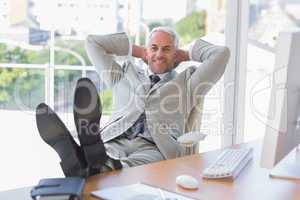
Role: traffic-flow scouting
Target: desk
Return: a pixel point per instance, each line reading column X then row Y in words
column 253, row 182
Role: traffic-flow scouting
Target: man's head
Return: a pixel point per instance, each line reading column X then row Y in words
column 161, row 49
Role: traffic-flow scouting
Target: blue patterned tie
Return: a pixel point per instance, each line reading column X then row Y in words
column 154, row 79
column 139, row 126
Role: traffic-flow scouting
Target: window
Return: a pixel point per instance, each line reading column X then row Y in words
column 22, row 87
column 266, row 20
column 48, row 70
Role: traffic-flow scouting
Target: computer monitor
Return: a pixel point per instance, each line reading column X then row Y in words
column 283, row 125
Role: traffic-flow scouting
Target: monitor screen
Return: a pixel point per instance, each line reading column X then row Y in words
column 282, row 128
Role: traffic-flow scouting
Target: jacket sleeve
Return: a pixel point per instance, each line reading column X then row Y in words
column 213, row 62
column 102, row 50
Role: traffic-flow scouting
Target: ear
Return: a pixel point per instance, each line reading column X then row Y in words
column 176, row 58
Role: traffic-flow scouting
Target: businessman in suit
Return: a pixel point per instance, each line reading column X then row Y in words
column 151, row 107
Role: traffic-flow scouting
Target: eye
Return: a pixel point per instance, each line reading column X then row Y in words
column 153, row 48
column 167, row 49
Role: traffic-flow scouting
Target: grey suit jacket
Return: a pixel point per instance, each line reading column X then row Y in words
column 170, row 105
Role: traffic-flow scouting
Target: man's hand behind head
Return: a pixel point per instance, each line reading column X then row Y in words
column 139, row 52
column 180, row 56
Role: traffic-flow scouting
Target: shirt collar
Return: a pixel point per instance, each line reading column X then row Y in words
column 161, row 76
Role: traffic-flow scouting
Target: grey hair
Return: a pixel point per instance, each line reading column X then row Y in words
column 165, row 29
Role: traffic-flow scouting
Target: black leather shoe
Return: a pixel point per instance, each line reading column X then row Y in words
column 87, row 113
column 54, row 133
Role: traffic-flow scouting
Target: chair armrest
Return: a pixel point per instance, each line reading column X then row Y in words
column 191, row 138
column 189, row 141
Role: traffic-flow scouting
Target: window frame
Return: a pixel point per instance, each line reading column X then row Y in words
column 236, row 33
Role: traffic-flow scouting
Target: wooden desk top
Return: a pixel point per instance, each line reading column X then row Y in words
column 253, row 182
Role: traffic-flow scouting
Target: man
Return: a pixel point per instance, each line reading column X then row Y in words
column 151, row 108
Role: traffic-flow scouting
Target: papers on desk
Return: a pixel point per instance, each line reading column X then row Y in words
column 137, row 191
column 58, row 197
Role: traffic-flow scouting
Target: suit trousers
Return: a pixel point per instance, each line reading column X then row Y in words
column 131, row 152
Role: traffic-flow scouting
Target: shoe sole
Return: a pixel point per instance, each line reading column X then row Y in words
column 87, row 111
column 54, row 133
column 87, row 106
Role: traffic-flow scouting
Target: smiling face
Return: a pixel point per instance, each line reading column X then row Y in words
column 161, row 52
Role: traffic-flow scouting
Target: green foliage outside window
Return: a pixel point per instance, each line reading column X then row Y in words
column 21, row 88
column 191, row 27
column 26, row 86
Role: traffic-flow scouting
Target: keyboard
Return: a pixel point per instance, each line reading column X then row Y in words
column 229, row 163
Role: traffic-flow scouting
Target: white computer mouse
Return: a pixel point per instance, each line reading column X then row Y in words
column 187, row 181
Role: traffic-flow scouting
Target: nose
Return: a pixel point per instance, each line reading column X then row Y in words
column 159, row 53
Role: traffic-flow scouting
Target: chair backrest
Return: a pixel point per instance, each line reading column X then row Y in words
column 194, row 123
column 195, row 118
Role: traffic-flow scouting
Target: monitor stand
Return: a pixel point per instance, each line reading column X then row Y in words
column 289, row 167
